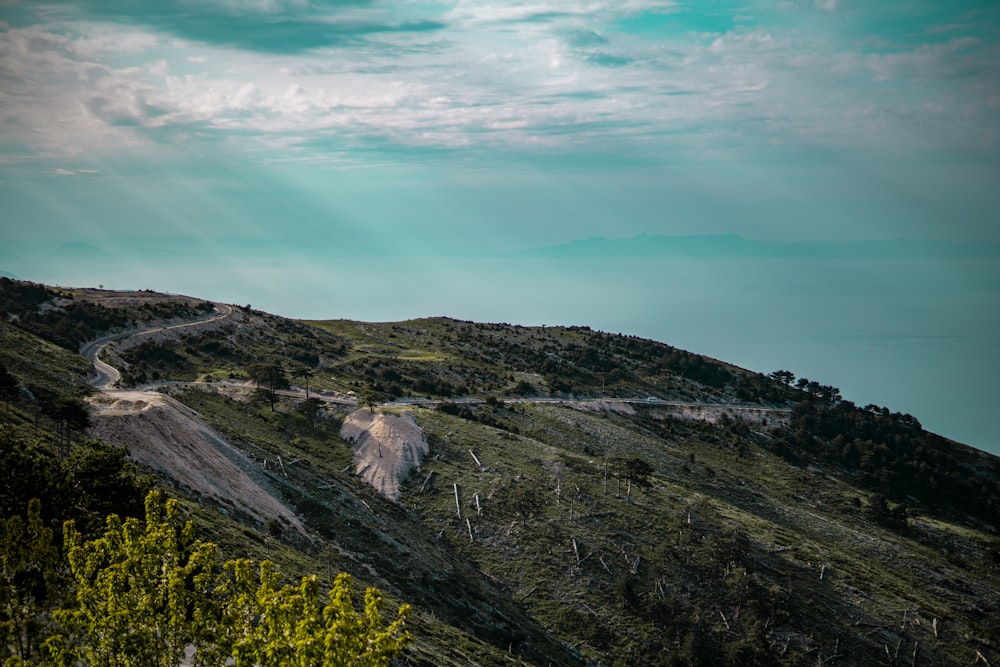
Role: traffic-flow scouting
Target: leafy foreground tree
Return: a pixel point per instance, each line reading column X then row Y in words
column 148, row 594
column 29, row 573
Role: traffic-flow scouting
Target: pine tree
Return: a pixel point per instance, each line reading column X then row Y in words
column 29, row 577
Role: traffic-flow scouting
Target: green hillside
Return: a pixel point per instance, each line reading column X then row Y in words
column 587, row 498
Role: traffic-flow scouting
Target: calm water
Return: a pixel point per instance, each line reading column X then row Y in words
column 918, row 336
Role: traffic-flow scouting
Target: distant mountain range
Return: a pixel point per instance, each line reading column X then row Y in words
column 731, row 246
column 181, row 250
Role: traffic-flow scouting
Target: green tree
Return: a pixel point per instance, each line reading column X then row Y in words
column 71, row 414
column 135, row 586
column 784, row 377
column 632, row 470
column 273, row 375
column 294, row 628
column 257, row 373
column 26, row 472
column 370, row 398
column 8, row 388
column 147, row 592
column 888, row 517
column 101, row 480
column 311, row 409
column 29, row 577
column 305, row 373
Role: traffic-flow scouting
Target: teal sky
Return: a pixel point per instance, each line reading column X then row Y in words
column 242, row 149
column 508, row 124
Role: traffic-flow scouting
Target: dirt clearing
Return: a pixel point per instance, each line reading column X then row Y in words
column 171, row 439
column 597, row 405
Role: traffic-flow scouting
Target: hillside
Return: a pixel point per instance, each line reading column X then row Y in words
column 540, row 495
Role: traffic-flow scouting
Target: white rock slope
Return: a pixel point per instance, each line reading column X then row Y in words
column 386, row 448
column 170, row 438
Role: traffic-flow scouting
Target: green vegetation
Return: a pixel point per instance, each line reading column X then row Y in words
column 95, row 480
column 443, row 358
column 252, row 346
column 889, row 453
column 728, row 556
column 42, row 371
column 69, row 318
column 146, row 592
column 798, row 529
column 371, row 537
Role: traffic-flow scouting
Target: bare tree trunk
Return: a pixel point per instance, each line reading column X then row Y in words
column 424, row 485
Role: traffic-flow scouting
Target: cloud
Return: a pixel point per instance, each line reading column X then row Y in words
column 267, row 26
column 523, row 77
column 103, row 41
column 957, row 59
column 586, row 38
column 572, row 15
column 72, row 172
column 607, row 59
column 472, row 13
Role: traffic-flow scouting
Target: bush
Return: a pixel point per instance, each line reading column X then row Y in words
column 146, row 591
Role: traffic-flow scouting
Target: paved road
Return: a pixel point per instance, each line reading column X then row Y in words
column 107, row 376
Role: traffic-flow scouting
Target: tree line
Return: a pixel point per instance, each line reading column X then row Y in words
column 891, row 455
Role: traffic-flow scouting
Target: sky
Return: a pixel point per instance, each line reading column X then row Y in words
column 449, row 130
column 510, row 124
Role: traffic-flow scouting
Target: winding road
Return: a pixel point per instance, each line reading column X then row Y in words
column 107, row 376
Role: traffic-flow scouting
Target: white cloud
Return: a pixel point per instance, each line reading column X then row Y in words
column 508, row 75
column 956, row 58
column 107, row 40
column 72, row 172
column 480, row 11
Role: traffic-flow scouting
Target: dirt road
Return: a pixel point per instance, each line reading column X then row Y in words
column 107, row 376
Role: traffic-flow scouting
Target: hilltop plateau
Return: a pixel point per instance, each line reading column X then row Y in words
column 539, row 495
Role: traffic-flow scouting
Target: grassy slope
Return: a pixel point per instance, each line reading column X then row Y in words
column 39, row 363
column 795, row 542
column 730, row 548
column 823, row 575
column 722, row 511
column 378, row 542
